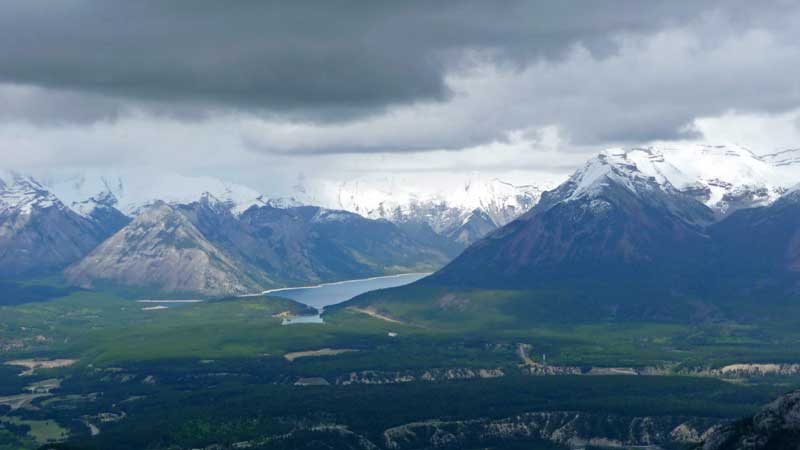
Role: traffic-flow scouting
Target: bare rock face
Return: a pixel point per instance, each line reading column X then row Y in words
column 776, row 427
column 164, row 250
column 203, row 248
column 567, row 428
column 473, row 227
column 430, row 375
column 311, row 244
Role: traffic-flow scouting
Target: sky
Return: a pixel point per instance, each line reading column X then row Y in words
column 275, row 95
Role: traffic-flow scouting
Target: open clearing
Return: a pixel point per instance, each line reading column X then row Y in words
column 18, row 401
column 321, row 352
column 373, row 313
column 43, row 431
column 33, row 364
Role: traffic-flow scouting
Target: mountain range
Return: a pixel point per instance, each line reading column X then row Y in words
column 448, row 219
column 208, row 247
column 202, row 247
column 647, row 233
column 682, row 222
column 459, row 216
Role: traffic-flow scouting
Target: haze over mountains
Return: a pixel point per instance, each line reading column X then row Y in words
column 651, row 215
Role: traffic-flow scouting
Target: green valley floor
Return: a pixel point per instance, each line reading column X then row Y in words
column 81, row 369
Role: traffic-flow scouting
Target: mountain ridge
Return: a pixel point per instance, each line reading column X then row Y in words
column 491, row 203
column 206, row 249
column 39, row 233
column 629, row 237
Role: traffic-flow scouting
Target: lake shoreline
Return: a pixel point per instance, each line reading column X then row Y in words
column 336, row 283
column 320, row 297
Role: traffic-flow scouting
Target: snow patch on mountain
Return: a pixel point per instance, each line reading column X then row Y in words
column 327, row 215
column 281, row 202
column 88, row 207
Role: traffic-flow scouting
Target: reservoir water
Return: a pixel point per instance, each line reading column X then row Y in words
column 332, row 293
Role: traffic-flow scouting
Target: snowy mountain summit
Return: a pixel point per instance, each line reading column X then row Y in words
column 463, row 214
column 650, row 219
column 22, row 194
column 724, row 178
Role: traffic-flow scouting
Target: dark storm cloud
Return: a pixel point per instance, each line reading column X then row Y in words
column 322, row 60
column 96, row 79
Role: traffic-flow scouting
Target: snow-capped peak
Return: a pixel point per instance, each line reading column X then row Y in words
column 330, row 215
column 443, row 210
column 636, row 170
column 723, row 177
column 22, row 194
column 87, row 207
column 283, row 202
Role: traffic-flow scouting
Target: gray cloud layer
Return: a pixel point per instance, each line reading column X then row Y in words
column 328, row 60
column 337, row 76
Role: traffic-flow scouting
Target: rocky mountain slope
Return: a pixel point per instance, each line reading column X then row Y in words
column 204, row 248
column 545, row 429
column 760, row 247
column 607, row 218
column 310, row 243
column 163, row 249
column 572, row 430
column 39, row 234
column 102, row 210
column 775, row 427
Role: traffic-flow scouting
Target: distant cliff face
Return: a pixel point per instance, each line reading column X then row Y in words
column 776, row 427
column 164, row 250
column 566, row 429
column 203, row 248
column 570, row 429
